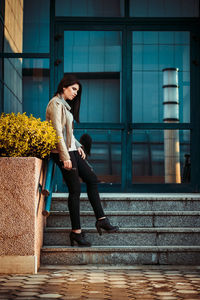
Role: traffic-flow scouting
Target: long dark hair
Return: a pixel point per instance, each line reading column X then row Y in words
column 75, row 104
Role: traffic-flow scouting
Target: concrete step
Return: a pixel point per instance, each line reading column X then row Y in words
column 134, row 202
column 130, row 255
column 128, row 236
column 130, row 219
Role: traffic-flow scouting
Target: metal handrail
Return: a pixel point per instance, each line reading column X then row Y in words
column 48, row 188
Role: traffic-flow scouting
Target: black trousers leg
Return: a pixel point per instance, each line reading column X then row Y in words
column 71, row 178
column 73, row 183
column 89, row 177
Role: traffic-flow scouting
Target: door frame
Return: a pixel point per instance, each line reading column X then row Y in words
column 126, row 26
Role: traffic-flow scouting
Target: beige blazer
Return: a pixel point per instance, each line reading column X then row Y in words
column 58, row 111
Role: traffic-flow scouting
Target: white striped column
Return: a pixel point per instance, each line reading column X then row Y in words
column 171, row 115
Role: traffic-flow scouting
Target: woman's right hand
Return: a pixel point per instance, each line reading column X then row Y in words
column 67, row 164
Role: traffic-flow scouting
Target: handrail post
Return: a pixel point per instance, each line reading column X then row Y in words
column 48, row 189
column 49, row 173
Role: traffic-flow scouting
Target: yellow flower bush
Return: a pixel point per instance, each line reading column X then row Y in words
column 24, row 136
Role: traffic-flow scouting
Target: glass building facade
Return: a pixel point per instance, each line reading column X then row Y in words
column 120, row 50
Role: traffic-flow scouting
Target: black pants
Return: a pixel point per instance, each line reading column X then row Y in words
column 71, row 178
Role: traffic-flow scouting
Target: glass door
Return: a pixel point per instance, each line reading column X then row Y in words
column 95, row 57
column 135, row 106
column 160, row 107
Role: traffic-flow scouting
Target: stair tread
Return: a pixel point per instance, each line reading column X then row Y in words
column 135, row 196
column 133, row 229
column 119, row 248
column 130, row 213
column 182, row 210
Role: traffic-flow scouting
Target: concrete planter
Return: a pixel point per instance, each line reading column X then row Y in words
column 21, row 219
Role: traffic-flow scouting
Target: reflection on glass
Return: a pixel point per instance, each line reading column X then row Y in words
column 105, row 154
column 153, row 52
column 35, row 86
column 12, row 85
column 105, row 158
column 163, row 8
column 26, row 86
column 95, row 57
column 90, row 8
column 36, row 25
column 26, row 26
column 172, row 156
column 161, row 156
column 13, row 27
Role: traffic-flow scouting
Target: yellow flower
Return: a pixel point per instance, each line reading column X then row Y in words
column 24, row 136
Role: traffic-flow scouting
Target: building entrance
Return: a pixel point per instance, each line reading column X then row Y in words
column 135, row 102
column 139, row 66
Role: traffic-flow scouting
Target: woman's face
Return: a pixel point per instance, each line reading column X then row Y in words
column 70, row 92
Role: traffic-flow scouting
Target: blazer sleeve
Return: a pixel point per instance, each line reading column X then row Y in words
column 54, row 112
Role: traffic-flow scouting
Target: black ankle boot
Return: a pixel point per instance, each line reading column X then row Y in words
column 79, row 238
column 105, row 224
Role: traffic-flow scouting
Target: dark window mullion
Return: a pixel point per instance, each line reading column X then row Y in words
column 51, row 47
column 124, row 109
column 137, row 23
column 129, row 87
column 195, row 107
column 114, row 126
column 126, row 8
column 160, row 126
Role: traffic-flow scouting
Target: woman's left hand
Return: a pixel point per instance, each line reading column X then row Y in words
column 81, row 152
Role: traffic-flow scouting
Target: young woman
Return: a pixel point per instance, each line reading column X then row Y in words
column 62, row 110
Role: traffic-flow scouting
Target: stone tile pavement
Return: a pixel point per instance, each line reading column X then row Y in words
column 104, row 282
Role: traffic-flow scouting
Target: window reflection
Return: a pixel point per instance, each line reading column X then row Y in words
column 36, row 26
column 105, row 154
column 95, row 57
column 163, row 8
column 35, row 86
column 153, row 52
column 12, row 85
column 13, row 27
column 161, row 156
column 26, row 26
column 90, row 8
column 26, row 86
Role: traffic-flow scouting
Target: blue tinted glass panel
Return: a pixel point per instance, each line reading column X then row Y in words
column 25, row 86
column 95, row 57
column 36, row 25
column 163, row 8
column 92, row 51
column 153, row 52
column 12, row 85
column 35, row 86
column 161, row 156
column 90, row 8
column 100, row 97
column 150, row 37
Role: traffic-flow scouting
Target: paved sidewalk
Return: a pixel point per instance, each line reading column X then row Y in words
column 104, row 282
